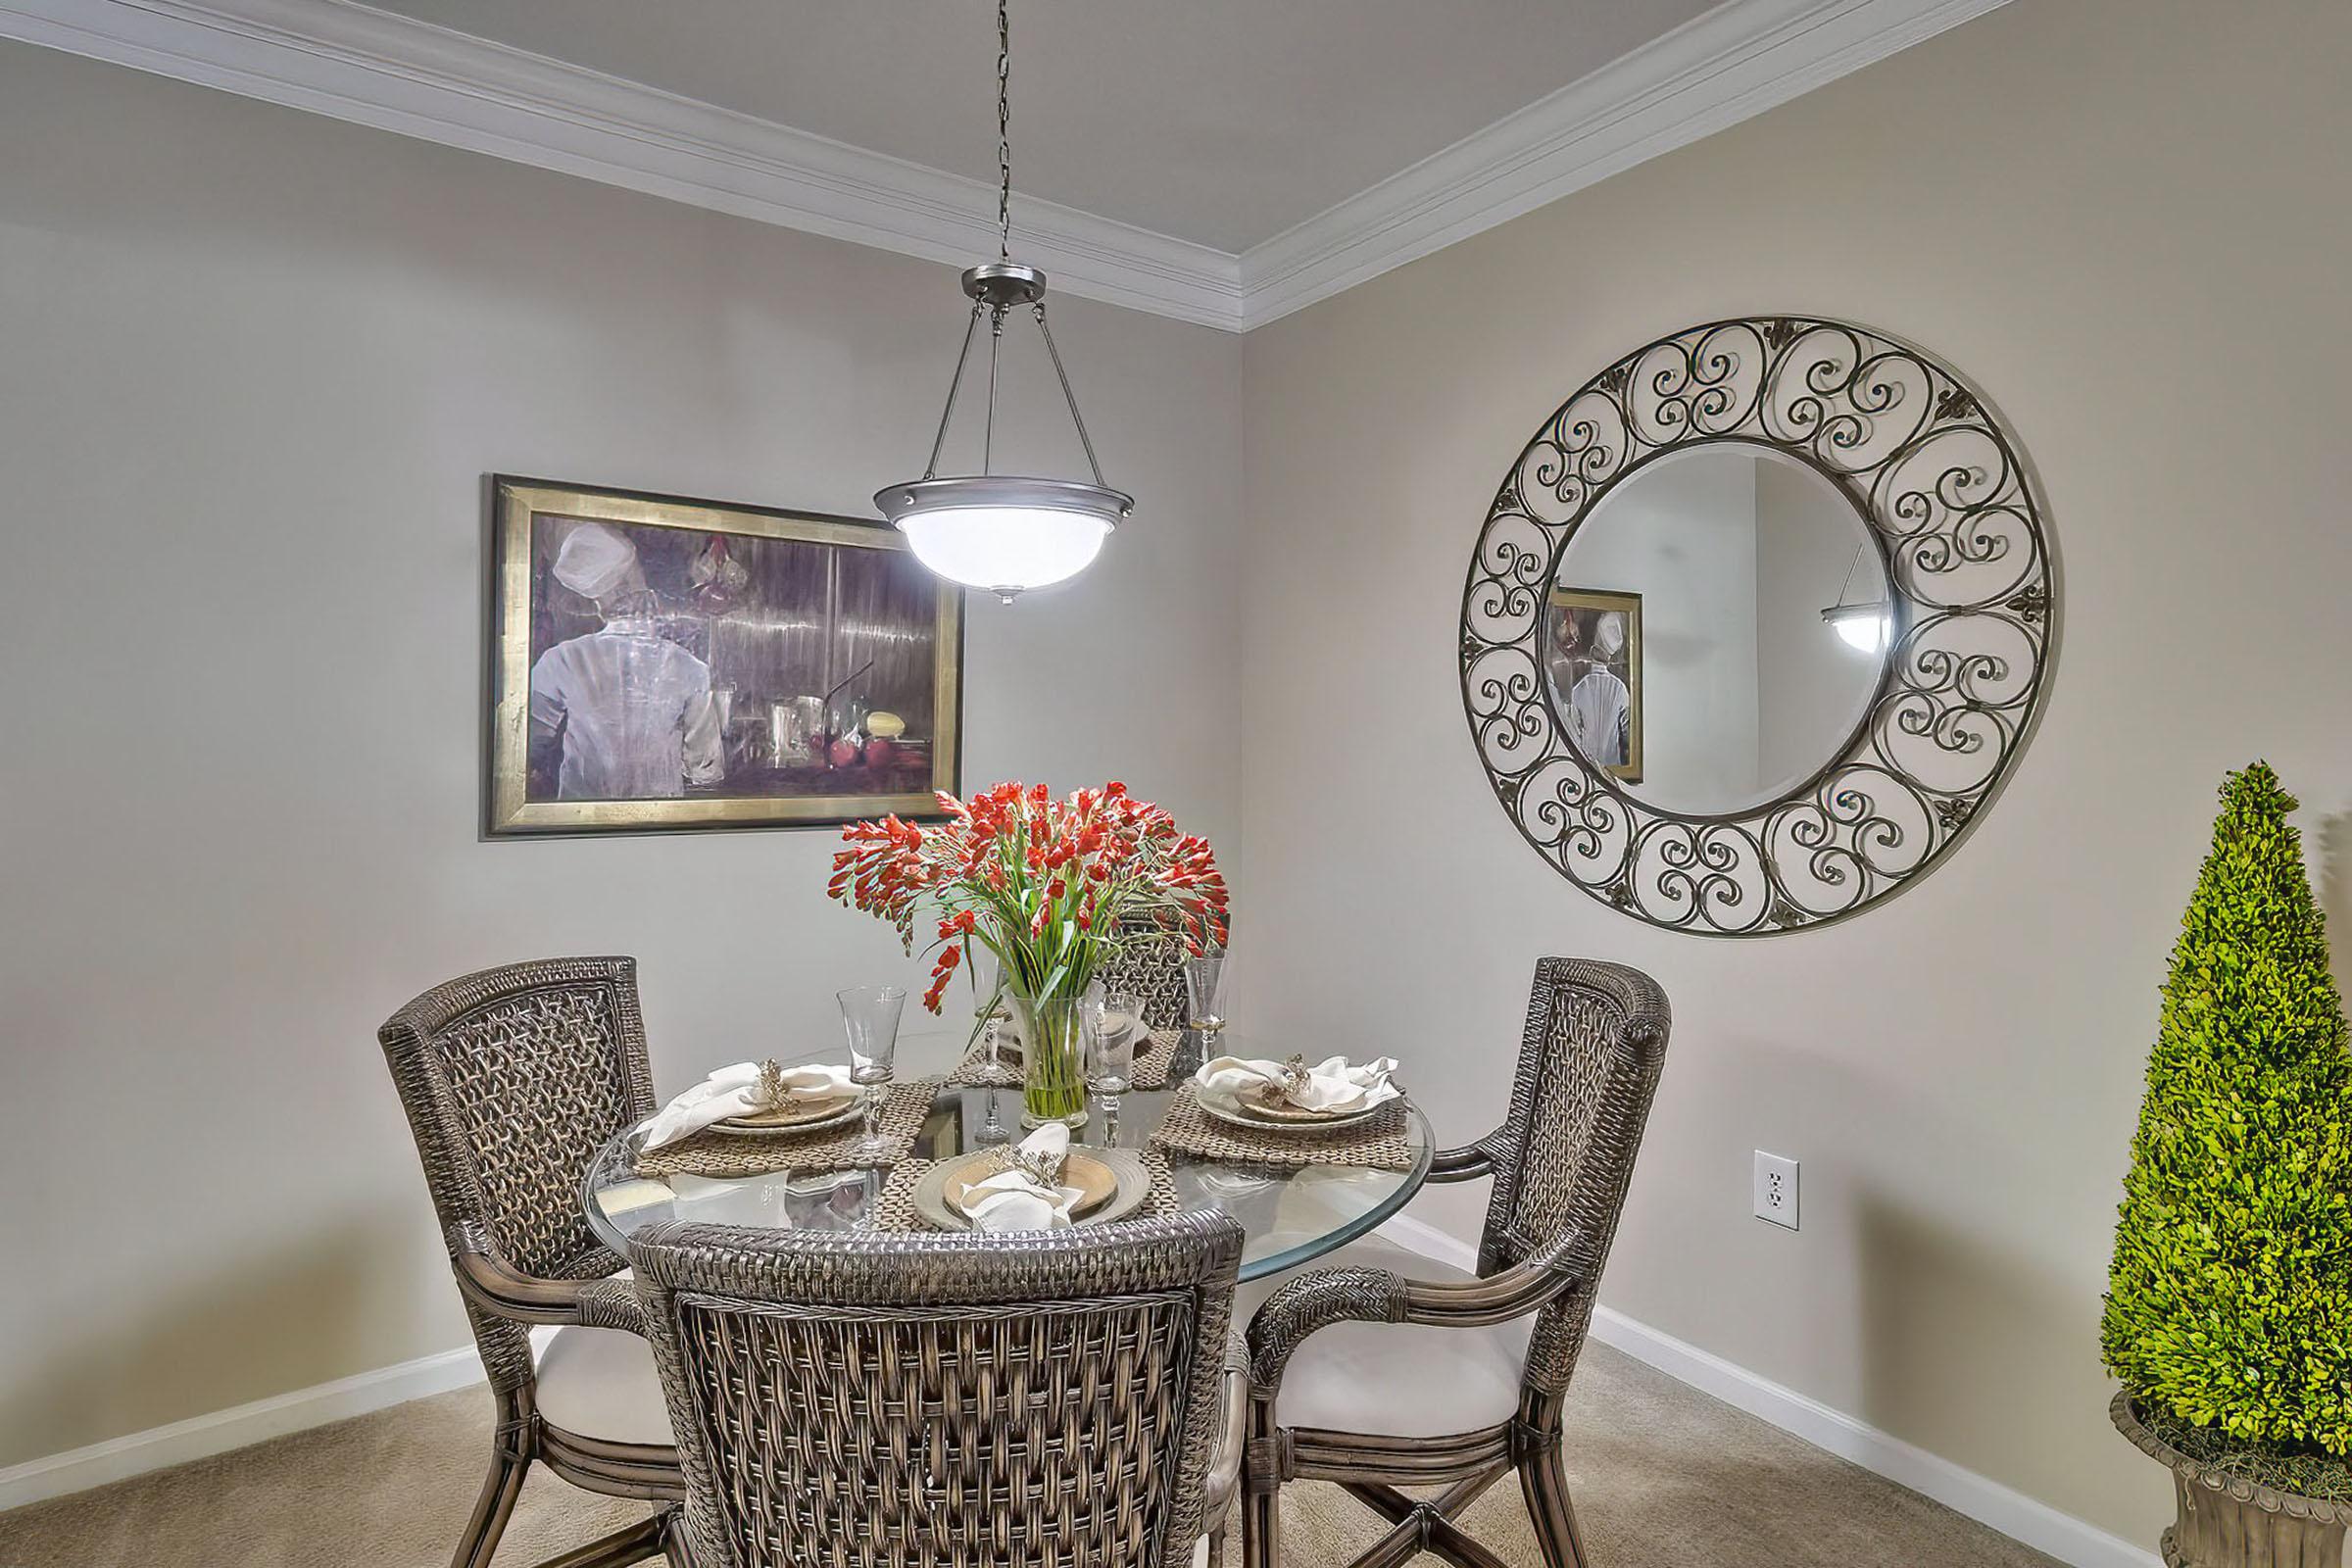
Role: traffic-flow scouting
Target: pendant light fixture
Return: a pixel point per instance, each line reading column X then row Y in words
column 1000, row 531
column 1862, row 624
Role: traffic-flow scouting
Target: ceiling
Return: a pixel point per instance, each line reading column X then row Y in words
column 1224, row 162
column 1221, row 121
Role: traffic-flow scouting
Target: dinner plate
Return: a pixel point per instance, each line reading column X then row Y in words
column 793, row 1120
column 1126, row 1166
column 1235, row 1112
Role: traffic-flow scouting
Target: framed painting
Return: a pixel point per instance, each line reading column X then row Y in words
column 659, row 663
column 1592, row 667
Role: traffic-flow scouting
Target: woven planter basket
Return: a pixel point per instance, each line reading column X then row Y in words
column 2227, row 1521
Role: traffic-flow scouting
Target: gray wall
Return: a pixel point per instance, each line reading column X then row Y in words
column 253, row 367
column 2122, row 218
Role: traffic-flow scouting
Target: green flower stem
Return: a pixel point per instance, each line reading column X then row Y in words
column 1054, row 1073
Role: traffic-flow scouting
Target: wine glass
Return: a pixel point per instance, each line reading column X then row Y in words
column 987, row 1012
column 1203, row 987
column 1110, row 1054
column 870, row 1016
column 990, row 1009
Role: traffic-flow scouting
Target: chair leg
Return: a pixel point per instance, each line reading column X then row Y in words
column 499, row 1488
column 1261, row 1491
column 674, row 1541
column 1544, row 1478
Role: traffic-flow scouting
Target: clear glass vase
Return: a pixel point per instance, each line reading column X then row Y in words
column 1053, row 1059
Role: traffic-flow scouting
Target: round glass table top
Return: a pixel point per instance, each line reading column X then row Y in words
column 1289, row 1216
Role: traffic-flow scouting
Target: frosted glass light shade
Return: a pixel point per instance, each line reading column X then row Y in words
column 1003, row 533
column 1005, row 548
column 1863, row 626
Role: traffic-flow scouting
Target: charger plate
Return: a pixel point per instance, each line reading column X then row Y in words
column 1125, row 1166
column 790, row 1121
column 1096, row 1183
column 1236, row 1111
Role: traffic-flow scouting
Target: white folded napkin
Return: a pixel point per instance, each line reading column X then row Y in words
column 1013, row 1200
column 1331, row 1085
column 736, row 1092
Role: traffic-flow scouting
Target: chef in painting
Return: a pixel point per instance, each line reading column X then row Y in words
column 1591, row 697
column 632, row 709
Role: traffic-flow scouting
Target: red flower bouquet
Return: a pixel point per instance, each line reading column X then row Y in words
column 1051, row 887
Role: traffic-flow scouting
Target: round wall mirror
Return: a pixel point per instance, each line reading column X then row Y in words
column 1759, row 621
column 1716, row 629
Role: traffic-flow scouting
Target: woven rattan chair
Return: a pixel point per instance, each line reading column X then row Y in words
column 1045, row 1400
column 512, row 1079
column 1150, row 969
column 1383, row 1369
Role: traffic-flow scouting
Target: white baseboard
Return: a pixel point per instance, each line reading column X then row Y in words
column 1988, row 1503
column 199, row 1437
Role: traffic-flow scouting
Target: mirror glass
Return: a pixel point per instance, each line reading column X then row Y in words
column 1717, row 628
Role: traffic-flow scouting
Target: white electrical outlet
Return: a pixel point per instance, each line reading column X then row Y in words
column 1776, row 1189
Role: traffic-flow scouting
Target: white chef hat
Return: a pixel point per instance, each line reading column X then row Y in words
column 594, row 560
column 1608, row 634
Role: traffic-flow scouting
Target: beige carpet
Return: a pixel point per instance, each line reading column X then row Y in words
column 1662, row 1475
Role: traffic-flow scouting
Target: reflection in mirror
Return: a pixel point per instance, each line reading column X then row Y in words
column 1716, row 628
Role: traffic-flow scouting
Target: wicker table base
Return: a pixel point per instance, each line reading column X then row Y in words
column 716, row 1154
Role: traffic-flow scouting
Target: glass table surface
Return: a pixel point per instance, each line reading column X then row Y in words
column 1289, row 1216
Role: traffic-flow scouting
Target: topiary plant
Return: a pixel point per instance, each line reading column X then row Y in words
column 2229, row 1299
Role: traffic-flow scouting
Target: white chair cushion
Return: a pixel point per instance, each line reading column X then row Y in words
column 1405, row 1380
column 600, row 1383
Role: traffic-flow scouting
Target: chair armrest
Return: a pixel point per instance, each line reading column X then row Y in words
column 1468, row 1163
column 1320, row 1298
column 1225, row 1458
column 508, row 1293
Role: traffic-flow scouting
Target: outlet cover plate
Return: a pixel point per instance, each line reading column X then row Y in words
column 1776, row 1189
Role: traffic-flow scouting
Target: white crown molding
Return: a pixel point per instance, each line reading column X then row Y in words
column 396, row 73
column 2036, row 1524
column 337, row 58
column 1723, row 67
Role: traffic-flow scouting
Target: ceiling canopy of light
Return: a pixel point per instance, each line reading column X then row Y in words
column 1000, row 531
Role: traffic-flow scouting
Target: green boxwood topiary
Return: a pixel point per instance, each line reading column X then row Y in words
column 2229, row 1299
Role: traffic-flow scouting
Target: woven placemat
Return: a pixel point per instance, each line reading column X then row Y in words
column 711, row 1152
column 894, row 1210
column 1378, row 1144
column 973, row 1071
column 1152, row 1059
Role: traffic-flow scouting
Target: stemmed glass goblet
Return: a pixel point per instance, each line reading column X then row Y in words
column 869, row 1017
column 1117, row 1022
column 1203, row 987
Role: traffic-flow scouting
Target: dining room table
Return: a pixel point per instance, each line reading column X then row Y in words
column 1291, row 1212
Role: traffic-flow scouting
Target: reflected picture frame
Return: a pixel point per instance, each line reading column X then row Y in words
column 517, row 800
column 1578, row 608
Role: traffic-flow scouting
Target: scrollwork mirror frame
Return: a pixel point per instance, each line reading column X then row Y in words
column 1946, row 496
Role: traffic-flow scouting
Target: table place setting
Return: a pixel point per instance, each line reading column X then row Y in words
column 750, row 1120
column 758, row 1100
column 1042, row 1182
column 1288, row 1113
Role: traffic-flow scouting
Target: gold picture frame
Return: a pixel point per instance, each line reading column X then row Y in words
column 1571, row 652
column 734, row 618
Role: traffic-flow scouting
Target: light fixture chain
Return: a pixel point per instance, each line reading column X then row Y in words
column 1003, row 132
